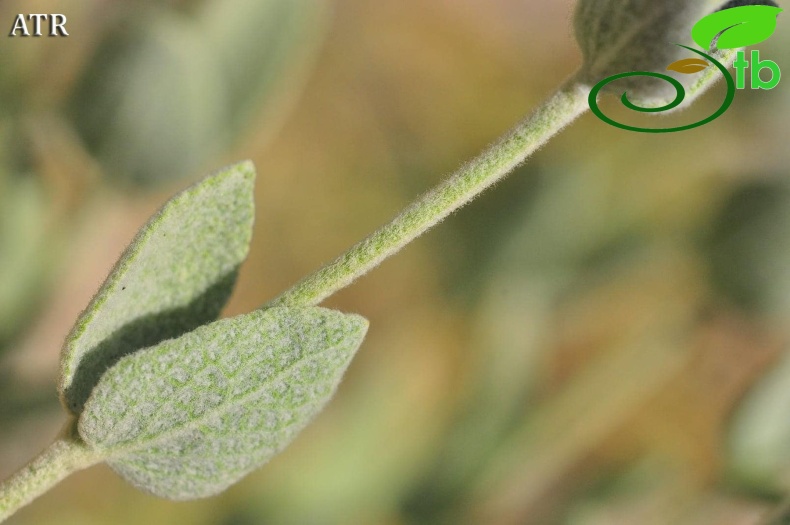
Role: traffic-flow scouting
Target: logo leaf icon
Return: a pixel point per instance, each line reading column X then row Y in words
column 736, row 27
column 688, row 66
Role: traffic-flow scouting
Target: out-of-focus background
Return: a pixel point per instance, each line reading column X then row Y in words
column 600, row 339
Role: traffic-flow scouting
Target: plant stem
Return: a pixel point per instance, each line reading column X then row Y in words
column 493, row 164
column 67, row 454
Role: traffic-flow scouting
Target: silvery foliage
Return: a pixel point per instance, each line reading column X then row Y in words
column 177, row 403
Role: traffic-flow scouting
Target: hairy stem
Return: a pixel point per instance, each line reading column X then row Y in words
column 67, row 454
column 493, row 164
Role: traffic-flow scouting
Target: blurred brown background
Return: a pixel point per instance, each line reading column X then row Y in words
column 600, row 339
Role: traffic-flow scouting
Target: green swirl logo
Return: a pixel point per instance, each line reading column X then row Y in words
column 728, row 29
column 679, row 98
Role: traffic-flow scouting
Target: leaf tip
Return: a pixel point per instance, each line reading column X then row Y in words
column 361, row 324
column 243, row 170
column 246, row 167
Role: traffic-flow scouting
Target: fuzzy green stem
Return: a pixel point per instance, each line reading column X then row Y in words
column 493, row 164
column 67, row 454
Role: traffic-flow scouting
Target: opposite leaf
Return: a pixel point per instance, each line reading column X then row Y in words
column 176, row 275
column 191, row 416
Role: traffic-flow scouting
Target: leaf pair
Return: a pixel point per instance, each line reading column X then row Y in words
column 179, row 405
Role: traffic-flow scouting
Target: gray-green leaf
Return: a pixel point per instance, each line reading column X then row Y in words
column 176, row 275
column 191, row 416
column 150, row 106
column 169, row 89
column 263, row 51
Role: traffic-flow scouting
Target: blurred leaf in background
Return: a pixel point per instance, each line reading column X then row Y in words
column 24, row 251
column 749, row 246
column 169, row 91
column 759, row 441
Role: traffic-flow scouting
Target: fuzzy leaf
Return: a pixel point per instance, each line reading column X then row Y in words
column 191, row 416
column 176, row 275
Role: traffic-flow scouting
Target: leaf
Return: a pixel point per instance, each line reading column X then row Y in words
column 688, row 66
column 191, row 416
column 263, row 49
column 747, row 247
column 758, row 444
column 736, row 27
column 151, row 105
column 176, row 275
column 26, row 249
column 169, row 90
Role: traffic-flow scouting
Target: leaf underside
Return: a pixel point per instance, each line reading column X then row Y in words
column 176, row 275
column 191, row 416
